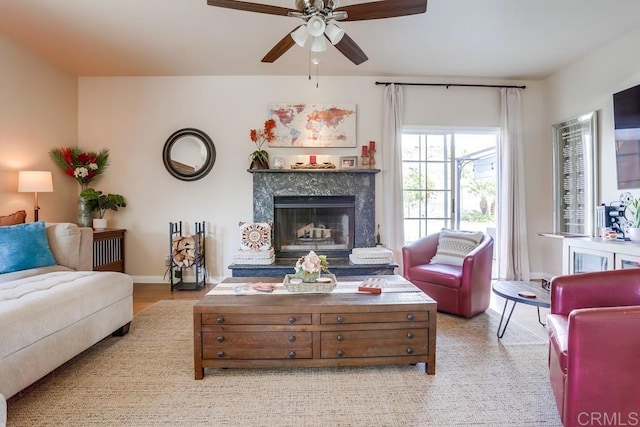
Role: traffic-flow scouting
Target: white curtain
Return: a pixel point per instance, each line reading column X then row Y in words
column 392, row 229
column 513, row 255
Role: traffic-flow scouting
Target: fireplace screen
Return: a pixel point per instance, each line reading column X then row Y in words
column 318, row 223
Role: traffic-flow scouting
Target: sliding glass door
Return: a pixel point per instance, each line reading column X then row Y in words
column 449, row 180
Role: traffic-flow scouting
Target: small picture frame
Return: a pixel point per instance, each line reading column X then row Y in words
column 348, row 162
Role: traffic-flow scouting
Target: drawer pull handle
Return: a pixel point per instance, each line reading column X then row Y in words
column 220, row 320
column 340, row 319
column 409, row 335
column 292, row 339
column 221, row 354
column 410, row 317
column 340, row 353
column 292, row 354
column 340, row 338
column 409, row 350
column 220, row 338
column 292, row 320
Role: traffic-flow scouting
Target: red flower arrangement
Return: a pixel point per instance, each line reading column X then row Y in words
column 259, row 138
column 265, row 135
column 82, row 166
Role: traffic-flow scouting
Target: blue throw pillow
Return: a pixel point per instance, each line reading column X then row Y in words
column 24, row 246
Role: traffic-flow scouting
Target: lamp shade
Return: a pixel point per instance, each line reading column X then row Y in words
column 35, row 182
column 300, row 35
column 316, row 26
column 334, row 33
column 319, row 44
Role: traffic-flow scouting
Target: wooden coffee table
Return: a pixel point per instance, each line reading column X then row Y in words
column 343, row 328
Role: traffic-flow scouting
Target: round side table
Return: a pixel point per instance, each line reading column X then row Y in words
column 516, row 291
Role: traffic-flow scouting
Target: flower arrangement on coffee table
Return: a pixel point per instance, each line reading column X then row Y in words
column 309, row 267
column 307, row 275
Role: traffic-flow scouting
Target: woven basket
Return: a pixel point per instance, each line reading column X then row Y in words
column 310, row 288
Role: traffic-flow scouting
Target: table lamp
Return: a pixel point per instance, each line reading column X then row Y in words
column 35, row 182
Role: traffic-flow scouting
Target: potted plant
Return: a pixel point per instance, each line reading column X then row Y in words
column 100, row 203
column 634, row 226
column 260, row 158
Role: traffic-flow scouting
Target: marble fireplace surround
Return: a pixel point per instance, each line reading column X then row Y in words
column 360, row 183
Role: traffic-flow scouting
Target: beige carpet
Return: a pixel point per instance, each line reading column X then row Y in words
column 146, row 379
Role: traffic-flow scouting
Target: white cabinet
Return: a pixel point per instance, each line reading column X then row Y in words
column 589, row 254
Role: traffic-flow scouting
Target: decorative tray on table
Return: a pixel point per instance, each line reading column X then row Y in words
column 324, row 284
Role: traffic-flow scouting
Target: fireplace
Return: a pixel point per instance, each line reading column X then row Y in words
column 270, row 185
column 329, row 211
column 319, row 223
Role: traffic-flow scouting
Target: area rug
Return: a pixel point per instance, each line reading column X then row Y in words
column 146, row 379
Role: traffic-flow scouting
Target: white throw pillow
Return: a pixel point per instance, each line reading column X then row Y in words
column 454, row 246
column 255, row 236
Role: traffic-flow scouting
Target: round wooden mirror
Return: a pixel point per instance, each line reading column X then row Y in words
column 189, row 154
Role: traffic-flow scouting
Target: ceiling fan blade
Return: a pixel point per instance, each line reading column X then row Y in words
column 279, row 49
column 384, row 9
column 351, row 50
column 251, row 7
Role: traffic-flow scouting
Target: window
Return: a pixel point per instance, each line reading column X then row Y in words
column 449, row 180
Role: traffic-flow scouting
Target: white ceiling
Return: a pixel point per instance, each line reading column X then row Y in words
column 508, row 39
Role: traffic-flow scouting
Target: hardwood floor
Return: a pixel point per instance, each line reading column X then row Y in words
column 145, row 294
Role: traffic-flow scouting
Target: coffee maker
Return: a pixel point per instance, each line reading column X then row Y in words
column 612, row 217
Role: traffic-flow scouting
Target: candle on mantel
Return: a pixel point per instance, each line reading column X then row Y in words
column 372, row 146
column 312, row 160
column 365, row 150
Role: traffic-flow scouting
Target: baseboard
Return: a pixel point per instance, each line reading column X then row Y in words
column 164, row 280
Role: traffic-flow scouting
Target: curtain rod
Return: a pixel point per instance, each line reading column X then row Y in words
column 447, row 85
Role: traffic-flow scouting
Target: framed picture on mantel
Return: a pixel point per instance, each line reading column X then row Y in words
column 348, row 162
column 313, row 125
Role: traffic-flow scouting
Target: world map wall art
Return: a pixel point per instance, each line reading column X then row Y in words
column 313, row 125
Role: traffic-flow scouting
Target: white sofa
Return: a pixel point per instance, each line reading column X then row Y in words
column 50, row 314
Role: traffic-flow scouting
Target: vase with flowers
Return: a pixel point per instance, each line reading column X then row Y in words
column 309, row 267
column 83, row 166
column 260, row 157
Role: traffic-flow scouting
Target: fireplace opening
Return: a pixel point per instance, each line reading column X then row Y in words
column 325, row 224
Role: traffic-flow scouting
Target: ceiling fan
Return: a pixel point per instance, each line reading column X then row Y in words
column 320, row 16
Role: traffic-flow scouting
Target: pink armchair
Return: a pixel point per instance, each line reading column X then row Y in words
column 465, row 290
column 594, row 346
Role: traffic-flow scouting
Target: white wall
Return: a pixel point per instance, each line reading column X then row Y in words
column 38, row 111
column 585, row 86
column 134, row 117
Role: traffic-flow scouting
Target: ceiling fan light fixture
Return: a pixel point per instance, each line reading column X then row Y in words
column 300, row 35
column 319, row 44
column 316, row 26
column 334, row 33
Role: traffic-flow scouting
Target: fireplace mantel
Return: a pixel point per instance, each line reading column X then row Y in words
column 348, row 171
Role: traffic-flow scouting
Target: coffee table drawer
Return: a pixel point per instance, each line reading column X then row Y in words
column 374, row 343
column 256, row 345
column 384, row 317
column 256, row 319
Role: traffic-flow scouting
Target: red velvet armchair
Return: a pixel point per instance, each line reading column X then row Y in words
column 464, row 291
column 594, row 347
